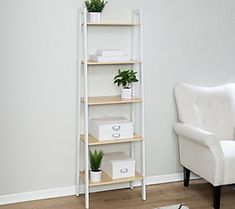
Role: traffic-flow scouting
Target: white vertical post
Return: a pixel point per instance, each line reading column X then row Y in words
column 79, row 25
column 139, row 14
column 132, row 143
column 86, row 109
column 142, row 107
column 133, row 56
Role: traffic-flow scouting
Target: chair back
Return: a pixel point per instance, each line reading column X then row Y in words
column 209, row 108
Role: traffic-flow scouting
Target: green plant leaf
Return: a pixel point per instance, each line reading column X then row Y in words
column 95, row 159
column 95, row 5
column 125, row 77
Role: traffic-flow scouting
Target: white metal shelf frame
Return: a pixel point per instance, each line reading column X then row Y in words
column 83, row 64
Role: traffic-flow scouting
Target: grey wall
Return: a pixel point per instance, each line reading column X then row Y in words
column 185, row 40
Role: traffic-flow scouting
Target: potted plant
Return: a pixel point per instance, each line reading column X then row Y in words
column 95, row 7
column 95, row 162
column 125, row 78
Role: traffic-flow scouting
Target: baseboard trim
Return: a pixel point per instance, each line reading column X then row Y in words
column 70, row 190
column 167, row 178
column 37, row 195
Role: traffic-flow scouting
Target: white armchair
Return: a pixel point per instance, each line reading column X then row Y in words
column 206, row 134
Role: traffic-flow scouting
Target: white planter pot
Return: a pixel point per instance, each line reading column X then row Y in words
column 95, row 176
column 94, row 17
column 126, row 93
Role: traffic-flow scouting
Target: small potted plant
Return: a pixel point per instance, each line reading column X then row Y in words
column 125, row 78
column 95, row 162
column 95, row 7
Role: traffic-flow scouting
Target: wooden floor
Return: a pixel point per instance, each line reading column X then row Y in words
column 197, row 196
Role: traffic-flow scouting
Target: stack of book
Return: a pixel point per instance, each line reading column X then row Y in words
column 109, row 56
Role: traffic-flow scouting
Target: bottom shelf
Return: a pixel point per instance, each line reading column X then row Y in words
column 106, row 179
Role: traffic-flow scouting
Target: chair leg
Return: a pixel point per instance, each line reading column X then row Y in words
column 186, row 177
column 216, row 196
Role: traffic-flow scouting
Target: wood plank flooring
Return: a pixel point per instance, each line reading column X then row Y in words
column 197, row 196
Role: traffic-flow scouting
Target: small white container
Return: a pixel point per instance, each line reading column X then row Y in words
column 118, row 165
column 94, row 17
column 111, row 128
column 95, row 176
column 126, row 93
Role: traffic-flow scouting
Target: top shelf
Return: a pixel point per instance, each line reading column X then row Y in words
column 131, row 62
column 113, row 24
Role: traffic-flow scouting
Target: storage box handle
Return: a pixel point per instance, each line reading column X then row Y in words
column 116, row 128
column 124, row 170
column 116, row 135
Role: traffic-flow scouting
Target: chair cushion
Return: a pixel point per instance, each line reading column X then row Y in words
column 228, row 148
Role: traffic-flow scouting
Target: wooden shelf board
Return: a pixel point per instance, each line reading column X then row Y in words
column 106, row 180
column 92, row 141
column 103, row 100
column 113, row 24
column 129, row 62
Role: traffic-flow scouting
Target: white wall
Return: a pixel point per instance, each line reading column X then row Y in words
column 184, row 40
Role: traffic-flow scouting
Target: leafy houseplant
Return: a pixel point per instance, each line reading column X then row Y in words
column 125, row 79
column 95, row 162
column 95, row 7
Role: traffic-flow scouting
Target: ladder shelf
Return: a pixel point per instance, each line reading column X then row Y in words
column 136, row 104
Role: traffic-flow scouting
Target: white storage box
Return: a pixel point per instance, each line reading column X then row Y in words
column 98, row 58
column 118, row 165
column 111, row 128
column 110, row 53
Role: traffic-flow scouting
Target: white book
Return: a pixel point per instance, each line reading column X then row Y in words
column 109, row 58
column 110, row 52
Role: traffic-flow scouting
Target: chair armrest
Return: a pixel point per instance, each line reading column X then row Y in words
column 196, row 135
column 211, row 142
